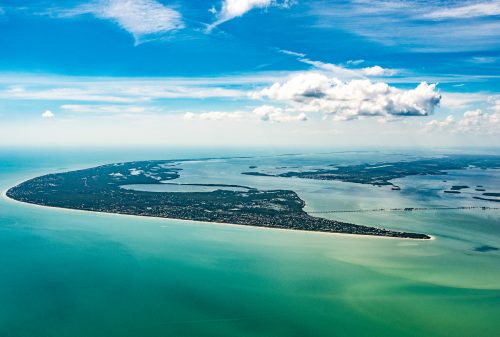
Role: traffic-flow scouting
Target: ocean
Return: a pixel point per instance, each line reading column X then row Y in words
column 76, row 273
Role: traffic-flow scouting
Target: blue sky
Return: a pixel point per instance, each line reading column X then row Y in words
column 250, row 72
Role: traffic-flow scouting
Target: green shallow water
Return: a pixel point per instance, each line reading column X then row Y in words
column 72, row 273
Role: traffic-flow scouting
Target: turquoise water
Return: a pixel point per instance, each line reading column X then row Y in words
column 73, row 273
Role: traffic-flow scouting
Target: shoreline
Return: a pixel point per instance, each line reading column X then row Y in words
column 8, row 199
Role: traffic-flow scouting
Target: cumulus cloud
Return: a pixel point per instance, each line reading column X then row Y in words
column 235, row 8
column 189, row 116
column 477, row 121
column 139, row 17
column 315, row 92
column 435, row 125
column 267, row 113
column 48, row 114
column 378, row 71
column 472, row 121
column 298, row 88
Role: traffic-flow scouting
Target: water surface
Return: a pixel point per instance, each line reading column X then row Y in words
column 75, row 273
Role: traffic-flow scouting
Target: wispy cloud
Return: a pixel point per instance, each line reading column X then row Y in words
column 105, row 109
column 214, row 116
column 264, row 113
column 293, row 53
column 231, row 9
column 416, row 25
column 121, row 90
column 466, row 11
column 63, row 94
column 468, row 100
column 141, row 18
column 484, row 59
column 332, row 69
column 355, row 62
column 341, row 71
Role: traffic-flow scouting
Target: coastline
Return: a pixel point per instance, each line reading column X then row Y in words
column 8, row 199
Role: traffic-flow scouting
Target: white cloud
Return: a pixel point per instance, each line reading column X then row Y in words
column 477, row 121
column 416, row 25
column 293, row 53
column 469, row 100
column 139, row 17
column 267, row 113
column 48, row 114
column 114, row 109
column 472, row 122
column 315, row 92
column 235, row 8
column 116, row 91
column 213, row 116
column 189, row 116
column 332, row 69
column 378, row 71
column 218, row 115
column 489, row 8
column 355, row 62
column 343, row 72
column 484, row 59
column 496, row 106
column 435, row 125
column 72, row 94
column 297, row 88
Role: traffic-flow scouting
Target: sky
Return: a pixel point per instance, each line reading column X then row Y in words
column 250, row 73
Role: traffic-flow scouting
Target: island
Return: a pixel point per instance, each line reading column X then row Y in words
column 380, row 174
column 104, row 189
column 459, row 187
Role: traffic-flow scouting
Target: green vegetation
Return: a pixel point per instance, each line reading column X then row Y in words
column 380, row 174
column 99, row 189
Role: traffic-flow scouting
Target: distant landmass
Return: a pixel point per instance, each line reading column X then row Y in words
column 380, row 174
column 100, row 189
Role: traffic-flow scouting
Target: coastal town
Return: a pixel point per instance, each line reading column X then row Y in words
column 99, row 189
